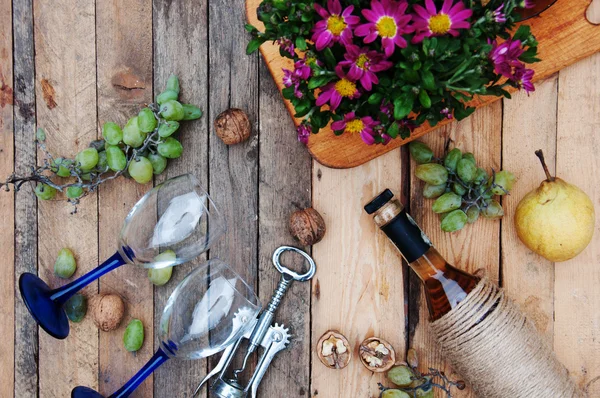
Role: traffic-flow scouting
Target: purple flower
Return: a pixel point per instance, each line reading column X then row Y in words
column 446, row 112
column 364, row 64
column 523, row 78
column 386, row 108
column 336, row 25
column 498, row 15
column 353, row 124
column 388, row 20
column 336, row 91
column 293, row 78
column 287, row 45
column 429, row 22
column 505, row 56
column 303, row 133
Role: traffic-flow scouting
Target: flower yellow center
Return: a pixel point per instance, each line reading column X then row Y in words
column 355, row 126
column 310, row 60
column 439, row 24
column 345, row 87
column 361, row 61
column 336, row 25
column 386, row 27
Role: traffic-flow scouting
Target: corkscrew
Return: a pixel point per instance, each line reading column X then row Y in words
column 273, row 338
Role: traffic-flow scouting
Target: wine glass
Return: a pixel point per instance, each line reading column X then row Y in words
column 209, row 310
column 176, row 216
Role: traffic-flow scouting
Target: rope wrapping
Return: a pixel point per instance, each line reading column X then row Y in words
column 490, row 343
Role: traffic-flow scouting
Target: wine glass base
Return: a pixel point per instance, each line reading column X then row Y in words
column 47, row 313
column 85, row 392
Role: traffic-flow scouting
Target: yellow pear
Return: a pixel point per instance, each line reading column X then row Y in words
column 556, row 220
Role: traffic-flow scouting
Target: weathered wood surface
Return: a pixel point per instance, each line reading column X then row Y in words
column 558, row 29
column 102, row 61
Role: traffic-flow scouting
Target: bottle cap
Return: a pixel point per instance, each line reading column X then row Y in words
column 379, row 201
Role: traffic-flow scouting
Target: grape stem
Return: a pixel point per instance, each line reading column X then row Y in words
column 540, row 154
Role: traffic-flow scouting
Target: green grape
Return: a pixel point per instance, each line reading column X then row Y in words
column 167, row 95
column 40, row 135
column 173, row 83
column 401, row 375
column 466, row 170
column 86, row 176
column 459, row 189
column 447, row 202
column 433, row 191
column 140, row 170
column 172, row 110
column 76, row 308
column 492, row 210
column 472, row 214
column 160, row 276
column 132, row 135
column 168, row 128
column 452, row 158
column 159, row 163
column 65, row 265
column 87, row 159
column 480, row 176
column 170, row 148
column 45, row 192
column 102, row 162
column 112, row 133
column 146, row 120
column 454, row 221
column 394, row 394
column 116, row 158
column 470, row 157
column 443, row 215
column 97, row 145
column 504, row 179
column 432, row 173
column 420, row 152
column 191, row 112
column 133, row 339
column 61, row 167
column 425, row 393
column 74, row 192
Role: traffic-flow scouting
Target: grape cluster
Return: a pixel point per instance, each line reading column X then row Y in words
column 138, row 150
column 462, row 191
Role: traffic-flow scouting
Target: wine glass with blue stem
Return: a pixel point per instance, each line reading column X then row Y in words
column 177, row 216
column 208, row 311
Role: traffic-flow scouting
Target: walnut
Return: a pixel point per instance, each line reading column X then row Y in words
column 377, row 355
column 334, row 350
column 307, row 226
column 233, row 126
column 107, row 311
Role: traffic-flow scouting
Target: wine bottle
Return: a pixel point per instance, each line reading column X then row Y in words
column 445, row 285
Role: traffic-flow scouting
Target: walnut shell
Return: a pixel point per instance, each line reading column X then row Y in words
column 107, row 311
column 233, row 126
column 377, row 355
column 307, row 226
column 333, row 350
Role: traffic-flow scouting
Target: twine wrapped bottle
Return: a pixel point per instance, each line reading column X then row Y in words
column 482, row 333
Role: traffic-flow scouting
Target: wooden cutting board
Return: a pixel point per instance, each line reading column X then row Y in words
column 564, row 34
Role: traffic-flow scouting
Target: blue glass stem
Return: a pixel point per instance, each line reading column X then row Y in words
column 157, row 359
column 64, row 293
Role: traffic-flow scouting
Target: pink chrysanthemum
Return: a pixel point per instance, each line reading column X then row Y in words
column 526, row 4
column 353, row 124
column 505, row 56
column 293, row 78
column 336, row 25
column 523, row 78
column 388, row 20
column 498, row 14
column 303, row 133
column 429, row 22
column 364, row 64
column 333, row 93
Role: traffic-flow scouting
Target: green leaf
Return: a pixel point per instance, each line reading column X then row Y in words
column 393, row 130
column 403, row 106
column 330, row 60
column 522, row 33
column 319, row 81
column 253, row 45
column 428, row 80
column 302, row 108
column 250, row 28
column 424, row 99
column 301, row 43
column 375, row 98
column 288, row 93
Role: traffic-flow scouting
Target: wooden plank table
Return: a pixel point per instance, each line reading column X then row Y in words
column 71, row 65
